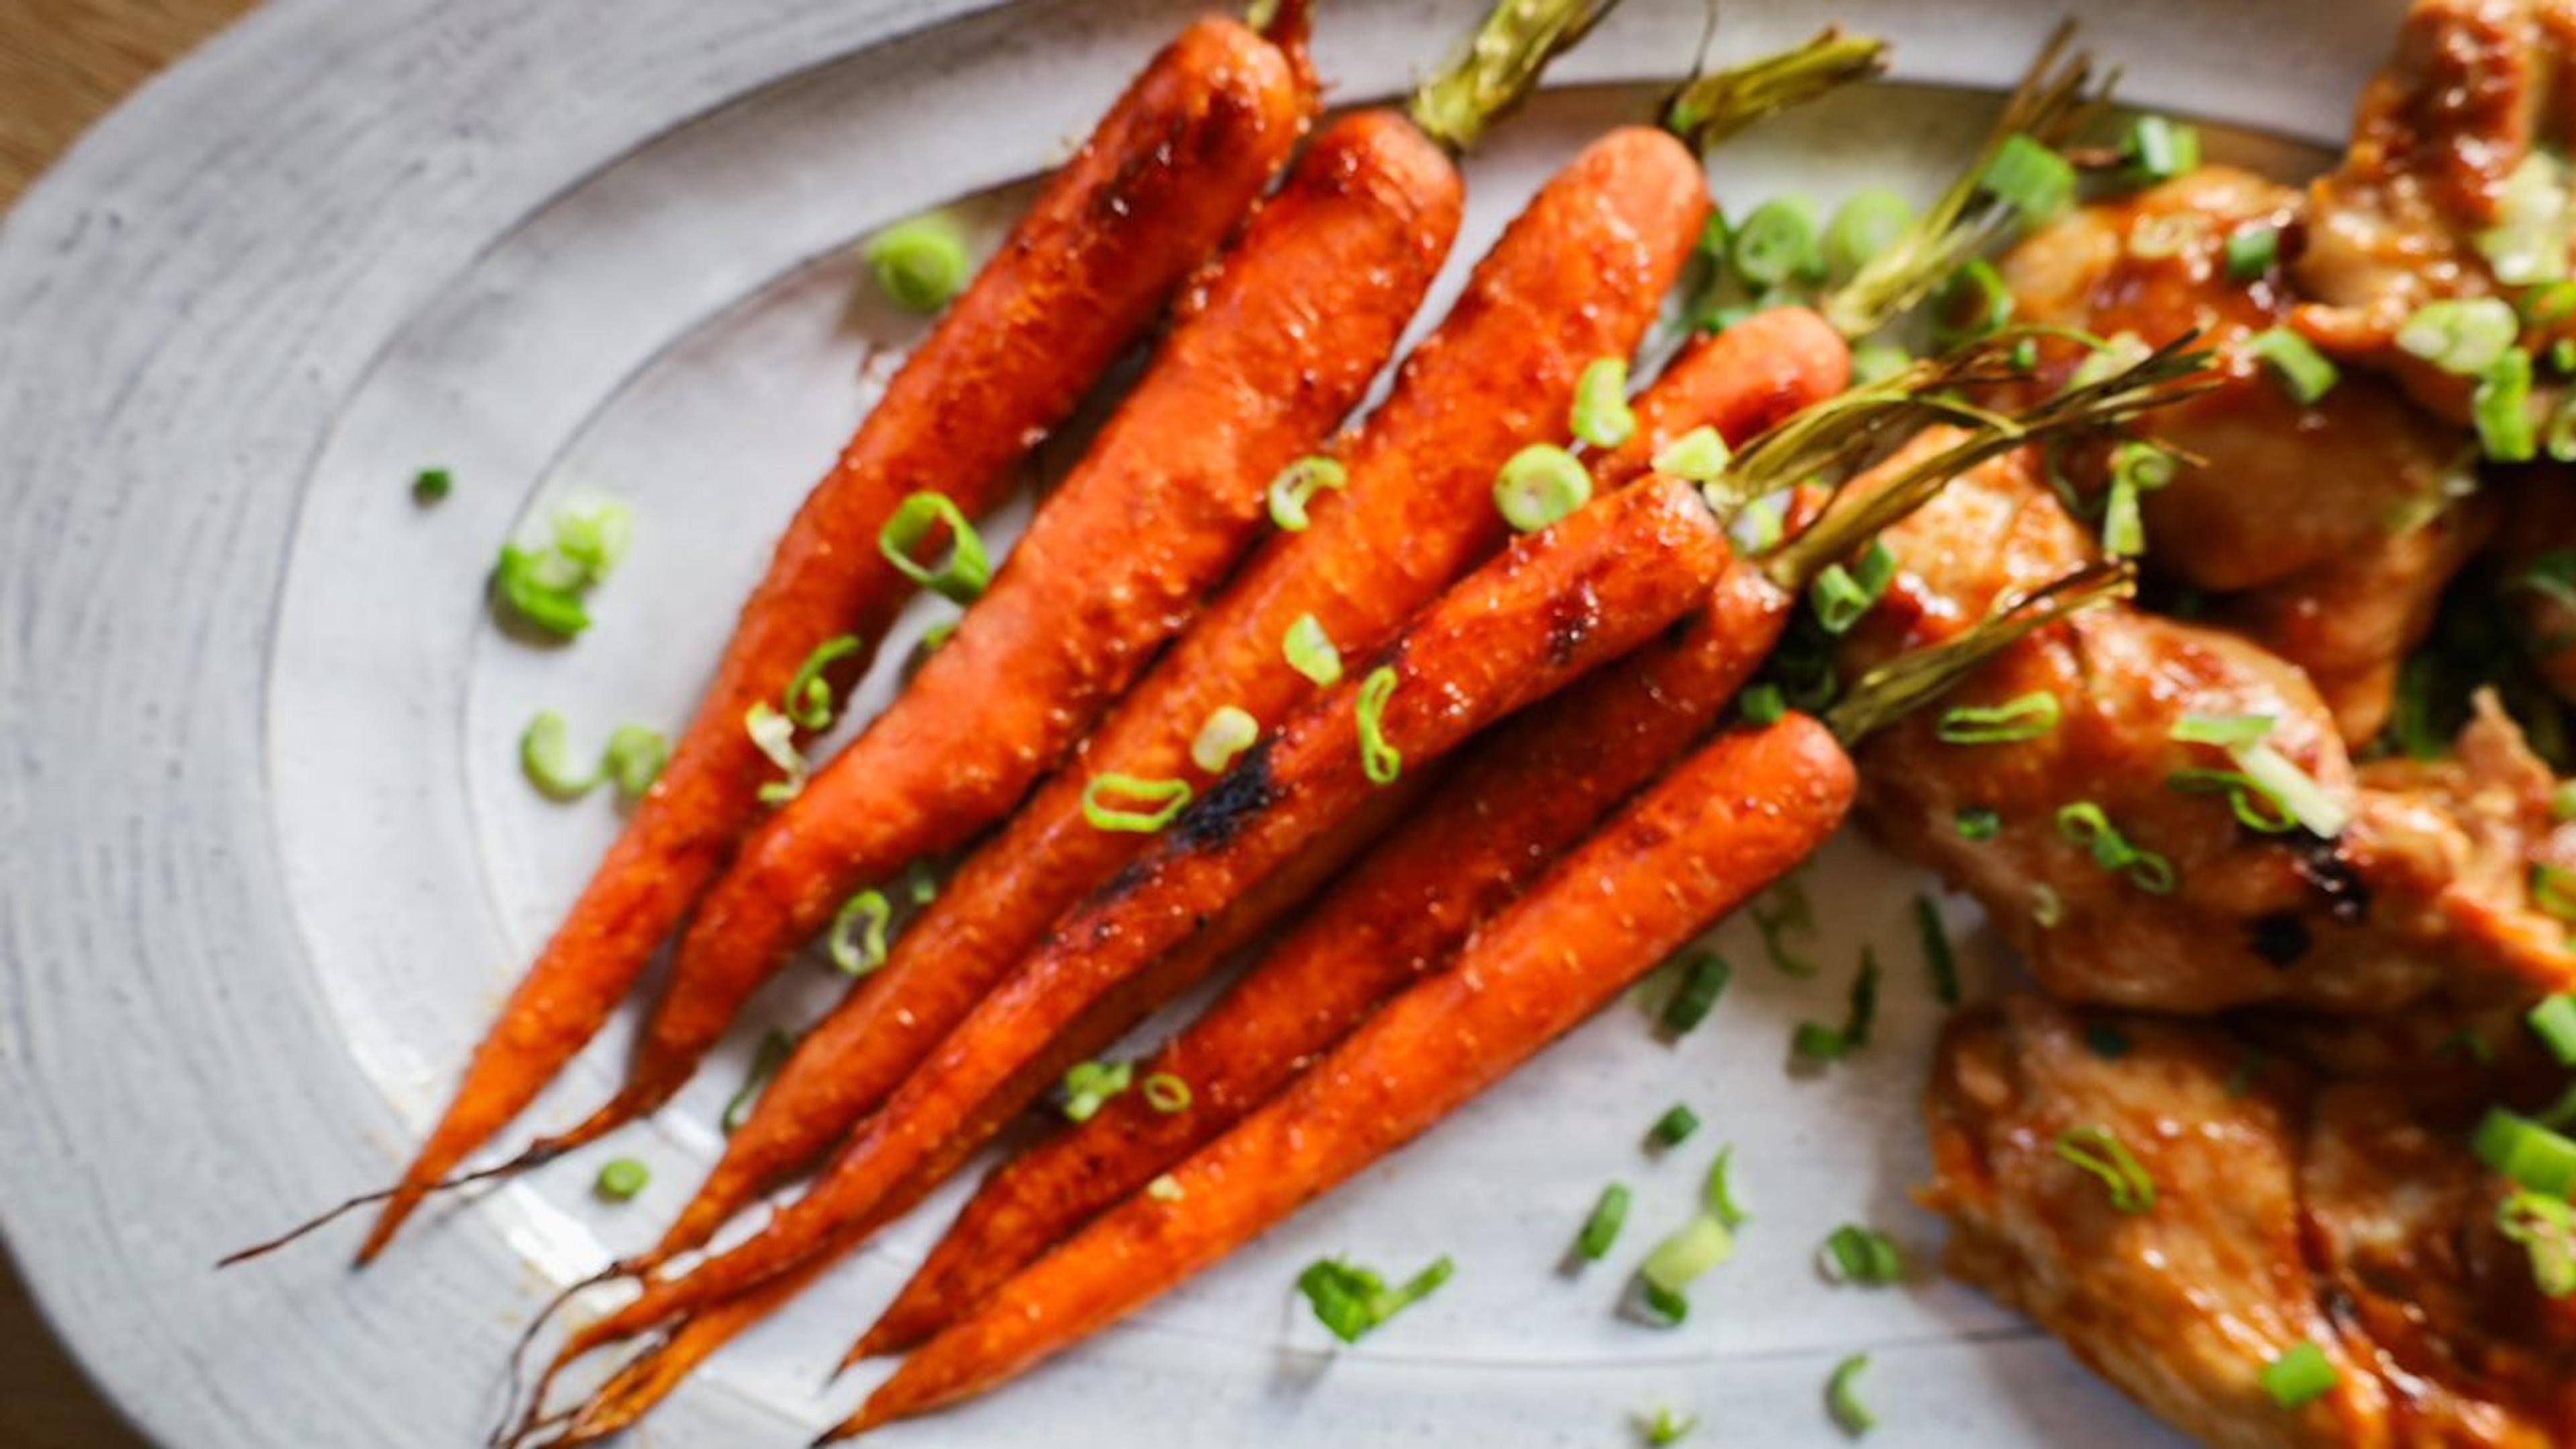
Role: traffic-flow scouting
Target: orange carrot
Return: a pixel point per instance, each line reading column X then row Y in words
column 1477, row 845
column 1277, row 346
column 1589, row 589
column 1578, row 277
column 1168, row 173
column 1723, row 826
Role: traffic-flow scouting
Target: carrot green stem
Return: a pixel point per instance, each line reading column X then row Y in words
column 1910, row 681
column 1500, row 66
column 1710, row 108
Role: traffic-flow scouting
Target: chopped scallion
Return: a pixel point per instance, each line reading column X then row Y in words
column 1688, row 1255
column 2025, row 717
column 1165, row 1188
column 1938, row 957
column 1167, row 1094
column 2253, row 252
column 1541, row 484
column 1601, row 1229
column 1703, row 981
column 1381, row 761
column 1842, row 1397
column 2160, row 150
column 1792, row 912
column 1666, row 1428
column 1972, row 303
column 1842, row 596
column 431, row 485
column 1762, row 704
column 1088, row 1086
column 2303, row 372
column 921, row 264
column 2529, row 1154
column 2463, row 336
column 1861, row 1256
column 1601, row 415
column 2221, row 729
column 809, row 694
column 545, row 757
column 772, row 1054
column 858, row 937
column 621, row 1179
column 1718, row 1192
column 1674, row 1127
column 2099, row 1152
column 2030, row 178
column 1311, row 652
column 2554, row 1022
column 1876, row 362
column 1978, row 826
column 1229, row 732
column 2545, row 1228
column 2300, row 1377
column 1698, row 456
column 962, row 577
column 775, row 735
column 2501, row 408
column 634, row 760
column 1779, row 244
column 1872, row 220
column 1352, row 1301
column 1297, row 485
column 1171, row 796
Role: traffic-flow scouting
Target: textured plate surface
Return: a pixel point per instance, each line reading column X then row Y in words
column 266, row 865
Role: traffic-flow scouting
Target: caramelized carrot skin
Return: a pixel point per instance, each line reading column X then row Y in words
column 1477, row 844
column 1578, row 276
column 1585, row 591
column 1726, row 823
column 1280, row 344
column 1167, row 174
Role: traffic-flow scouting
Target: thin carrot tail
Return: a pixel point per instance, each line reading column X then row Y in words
column 1499, row 66
column 533, row 1157
column 1708, row 109
column 1908, row 682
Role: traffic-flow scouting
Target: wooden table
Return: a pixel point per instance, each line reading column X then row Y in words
column 63, row 64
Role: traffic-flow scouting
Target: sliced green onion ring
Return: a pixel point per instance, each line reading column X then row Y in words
column 921, row 264
column 1229, row 732
column 1601, row 414
column 2029, row 177
column 2098, row 1151
column 858, row 937
column 2300, row 1377
column 2554, row 1022
column 621, row 1179
column 1778, row 244
column 1698, row 456
column 1170, row 797
column 1088, row 1086
column 961, row 579
column 1541, row 484
column 2545, row 1229
column 1167, row 1094
column 1381, row 761
column 2303, row 372
column 1861, row 1256
column 1601, row 1229
column 1297, row 485
column 2159, row 149
column 2529, row 1154
column 2253, row 252
column 775, row 735
column 2461, row 335
column 1718, row 1191
column 809, row 694
column 1842, row 1397
column 1311, row 652
column 1869, row 222
column 1704, row 980
column 2023, row 718
column 1687, row 1256
column 545, row 757
column 2501, row 408
column 1938, row 956
column 1674, row 1127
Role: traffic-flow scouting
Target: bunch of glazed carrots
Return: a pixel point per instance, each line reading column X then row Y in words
column 1244, row 672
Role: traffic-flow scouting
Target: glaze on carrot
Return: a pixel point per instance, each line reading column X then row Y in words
column 1169, row 172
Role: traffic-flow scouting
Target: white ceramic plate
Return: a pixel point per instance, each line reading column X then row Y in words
column 266, row 864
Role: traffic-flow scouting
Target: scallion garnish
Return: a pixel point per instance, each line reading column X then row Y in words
column 1842, row 1397
column 1703, row 981
column 1601, row 415
column 1665, row 1429
column 858, row 937
column 1792, row 912
column 2253, row 252
column 1229, row 732
column 545, row 757
column 809, row 694
column 2137, row 469
column 2025, row 717
column 1861, row 1256
column 1872, row 220
column 1167, row 1094
column 1171, row 796
column 634, row 760
column 1165, row 1188
column 1674, row 1127
column 2554, row 1022
column 1311, row 652
column 921, row 264
column 2098, row 1151
column 1684, row 1258
column 2545, row 1228
column 962, row 577
column 2224, row 730
column 1718, row 1192
column 2501, row 408
column 1938, row 957
column 1972, row 303
column 1601, row 1229
column 1842, row 596
column 2553, row 890
column 2030, row 178
column 1297, row 485
column 772, row 1053
column 1977, row 826
column 2529, row 1154
column 2528, row 244
column 2303, row 372
column 1381, row 761
column 1539, row 485
column 2461, row 335
column 2300, row 1377
column 621, row 1179
column 544, row 587
column 1757, row 528
column 432, row 485
column 1826, row 1043
column 1088, row 1086
column 1778, row 244
column 1762, row 704
column 2083, row 824
column 1353, row 1301
column 2160, row 150
column 1698, row 456
column 775, row 735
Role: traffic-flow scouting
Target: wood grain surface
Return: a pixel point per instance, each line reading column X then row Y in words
column 64, row 64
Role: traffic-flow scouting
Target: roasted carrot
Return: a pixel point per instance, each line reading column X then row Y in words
column 1475, row 846
column 1578, row 277
column 1556, row 603
column 1164, row 178
column 1720, row 827
column 1734, row 818
column 1276, row 347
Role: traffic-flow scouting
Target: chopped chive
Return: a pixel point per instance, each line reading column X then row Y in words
column 920, row 884
column 1815, row 1041
column 634, row 760
column 1665, row 1429
column 1688, row 1255
column 1674, row 1127
column 1938, row 957
column 1778, row 243
column 1869, row 222
column 2160, row 150
column 1167, row 1094
column 1352, row 1301
column 772, row 1054
column 2545, row 1228
column 1826, row 1043
column 962, row 578
column 1601, row 415
column 1539, row 485
column 621, row 1179
column 775, row 736
column 2501, row 408
column 1718, row 1192
column 1229, row 732
column 2300, row 1377
column 2253, row 252
column 1864, row 1257
column 1792, row 913
column 1601, row 1229
column 809, row 694
column 1762, row 704
column 1842, row 1397
column 2084, row 825
column 2098, row 1151
column 2529, row 1154
column 2221, row 729
column 543, row 589
column 1165, row 1188
column 1674, row 1307
column 2553, row 890
column 2030, row 178
column 858, row 937
column 2464, row 336
column 2025, row 717
column 1088, row 1086
column 1297, row 485
column 2554, row 1022
column 1172, row 796
column 1703, row 981
column 1977, row 825
column 2561, row 1114
column 921, row 264
column 1698, row 456
column 596, row 541
column 1972, row 303
column 1379, row 760
column 432, row 485
column 545, row 757
column 1841, row 596
column 2303, row 372
column 1311, row 652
